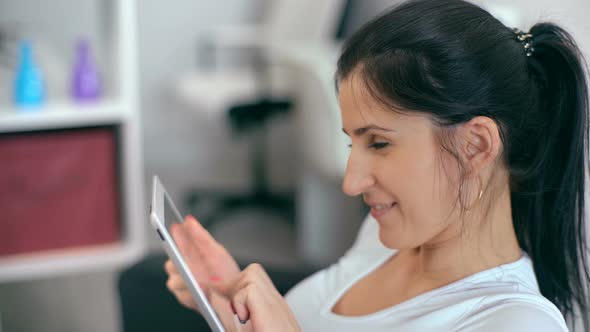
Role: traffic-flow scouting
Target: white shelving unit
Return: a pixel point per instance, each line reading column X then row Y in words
column 119, row 110
column 64, row 115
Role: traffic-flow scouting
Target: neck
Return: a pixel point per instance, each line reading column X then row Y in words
column 478, row 242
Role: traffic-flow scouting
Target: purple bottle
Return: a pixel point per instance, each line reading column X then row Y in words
column 86, row 85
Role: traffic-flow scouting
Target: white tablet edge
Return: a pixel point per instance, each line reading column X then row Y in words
column 157, row 217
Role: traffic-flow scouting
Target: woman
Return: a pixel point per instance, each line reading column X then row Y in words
column 469, row 143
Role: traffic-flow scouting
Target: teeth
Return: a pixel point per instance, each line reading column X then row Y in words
column 381, row 207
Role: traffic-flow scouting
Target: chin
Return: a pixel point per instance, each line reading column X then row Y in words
column 391, row 239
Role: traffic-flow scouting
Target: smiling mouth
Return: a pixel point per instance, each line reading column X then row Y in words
column 380, row 210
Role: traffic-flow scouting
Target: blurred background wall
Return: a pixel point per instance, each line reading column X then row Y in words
column 186, row 152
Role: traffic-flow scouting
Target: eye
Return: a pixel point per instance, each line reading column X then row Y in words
column 379, row 145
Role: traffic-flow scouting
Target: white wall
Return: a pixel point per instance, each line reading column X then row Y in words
column 571, row 14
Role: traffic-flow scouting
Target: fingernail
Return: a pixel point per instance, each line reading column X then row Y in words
column 243, row 321
column 233, row 309
column 215, row 278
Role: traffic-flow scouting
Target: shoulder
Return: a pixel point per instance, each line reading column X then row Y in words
column 518, row 316
column 507, row 298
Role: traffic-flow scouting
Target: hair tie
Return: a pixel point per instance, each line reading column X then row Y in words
column 526, row 39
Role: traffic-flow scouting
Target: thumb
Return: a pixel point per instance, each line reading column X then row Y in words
column 237, row 297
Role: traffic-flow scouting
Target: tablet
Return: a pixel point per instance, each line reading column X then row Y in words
column 163, row 213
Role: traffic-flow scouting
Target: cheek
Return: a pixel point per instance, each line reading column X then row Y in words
column 417, row 181
column 421, row 188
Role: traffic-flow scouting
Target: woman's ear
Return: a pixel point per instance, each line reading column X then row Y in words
column 480, row 144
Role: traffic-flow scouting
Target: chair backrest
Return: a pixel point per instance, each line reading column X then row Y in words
column 304, row 20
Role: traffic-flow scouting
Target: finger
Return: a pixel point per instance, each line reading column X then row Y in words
column 202, row 239
column 223, row 309
column 239, row 302
column 266, row 283
column 249, row 275
column 175, row 229
column 259, row 273
column 186, row 299
column 178, row 233
column 255, row 274
column 228, row 287
column 170, row 268
column 250, row 290
column 183, row 241
column 237, row 291
column 176, row 284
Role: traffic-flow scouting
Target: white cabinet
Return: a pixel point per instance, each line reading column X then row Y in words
column 119, row 111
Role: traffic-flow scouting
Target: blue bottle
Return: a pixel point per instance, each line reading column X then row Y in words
column 29, row 90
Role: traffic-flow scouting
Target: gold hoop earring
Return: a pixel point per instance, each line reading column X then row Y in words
column 478, row 196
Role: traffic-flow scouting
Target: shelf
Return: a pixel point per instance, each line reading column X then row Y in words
column 62, row 115
column 117, row 35
column 47, row 264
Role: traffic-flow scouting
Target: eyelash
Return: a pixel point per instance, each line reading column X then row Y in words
column 379, row 145
column 376, row 145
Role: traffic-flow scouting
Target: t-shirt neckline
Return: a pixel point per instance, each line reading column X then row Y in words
column 331, row 302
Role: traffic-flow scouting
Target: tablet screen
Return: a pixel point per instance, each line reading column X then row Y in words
column 171, row 214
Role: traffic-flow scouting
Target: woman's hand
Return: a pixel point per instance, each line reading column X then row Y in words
column 256, row 302
column 208, row 260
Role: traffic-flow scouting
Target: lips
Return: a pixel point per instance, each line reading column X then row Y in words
column 379, row 210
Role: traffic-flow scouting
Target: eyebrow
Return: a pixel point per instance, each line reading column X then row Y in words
column 361, row 131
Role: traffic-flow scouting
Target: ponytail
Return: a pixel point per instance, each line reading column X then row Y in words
column 548, row 195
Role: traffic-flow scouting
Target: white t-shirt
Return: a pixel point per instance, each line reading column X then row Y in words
column 504, row 298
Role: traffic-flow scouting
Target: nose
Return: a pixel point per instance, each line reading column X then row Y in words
column 357, row 177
